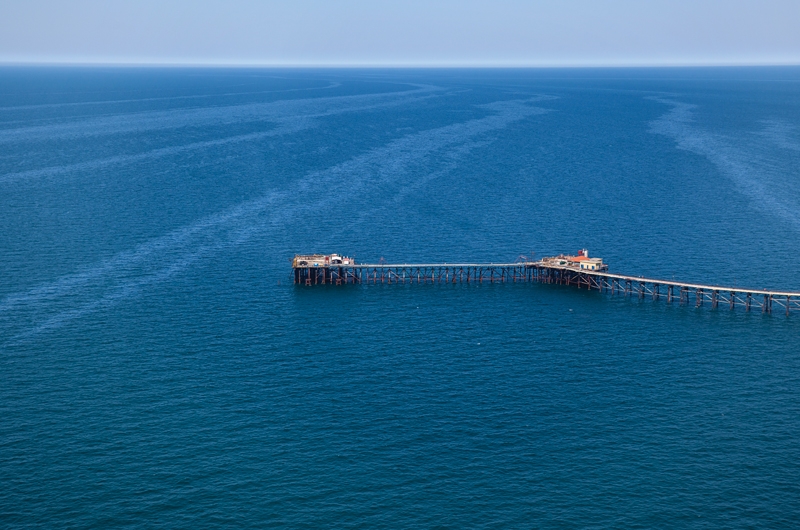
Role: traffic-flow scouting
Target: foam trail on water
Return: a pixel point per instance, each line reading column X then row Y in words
column 141, row 259
column 137, row 122
column 330, row 86
column 284, row 126
column 781, row 134
column 747, row 169
column 99, row 287
column 152, row 154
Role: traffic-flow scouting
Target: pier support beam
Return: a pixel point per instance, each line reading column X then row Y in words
column 603, row 281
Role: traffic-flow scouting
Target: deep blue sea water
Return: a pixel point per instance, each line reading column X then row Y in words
column 159, row 369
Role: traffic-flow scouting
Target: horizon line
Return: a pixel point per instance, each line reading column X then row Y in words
column 397, row 64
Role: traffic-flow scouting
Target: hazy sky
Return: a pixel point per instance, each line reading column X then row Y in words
column 412, row 32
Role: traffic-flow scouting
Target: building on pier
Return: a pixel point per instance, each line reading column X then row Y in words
column 581, row 261
column 593, row 264
column 320, row 260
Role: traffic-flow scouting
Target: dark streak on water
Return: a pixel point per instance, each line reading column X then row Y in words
column 158, row 369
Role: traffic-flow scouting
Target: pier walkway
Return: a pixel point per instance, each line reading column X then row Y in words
column 546, row 272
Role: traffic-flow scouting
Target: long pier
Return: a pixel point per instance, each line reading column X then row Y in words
column 546, row 272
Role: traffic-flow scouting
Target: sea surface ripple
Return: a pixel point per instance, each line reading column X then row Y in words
column 159, row 369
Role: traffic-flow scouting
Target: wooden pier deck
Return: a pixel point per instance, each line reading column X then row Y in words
column 698, row 294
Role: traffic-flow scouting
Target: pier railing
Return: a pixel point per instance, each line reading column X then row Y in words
column 537, row 271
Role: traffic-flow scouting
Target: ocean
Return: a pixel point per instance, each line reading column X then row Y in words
column 158, row 368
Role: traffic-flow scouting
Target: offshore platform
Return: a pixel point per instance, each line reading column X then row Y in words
column 579, row 270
